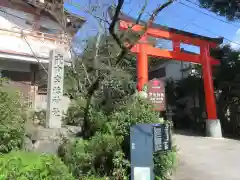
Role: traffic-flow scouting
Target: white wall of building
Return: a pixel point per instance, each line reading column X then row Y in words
column 19, row 45
column 47, row 22
column 16, row 36
column 17, row 19
column 173, row 69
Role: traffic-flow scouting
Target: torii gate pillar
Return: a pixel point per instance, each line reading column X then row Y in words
column 142, row 64
column 213, row 125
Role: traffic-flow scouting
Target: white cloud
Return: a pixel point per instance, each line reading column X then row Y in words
column 235, row 44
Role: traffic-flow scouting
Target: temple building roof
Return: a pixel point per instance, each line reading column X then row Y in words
column 55, row 9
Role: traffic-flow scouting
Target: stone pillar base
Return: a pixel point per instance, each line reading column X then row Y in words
column 213, row 128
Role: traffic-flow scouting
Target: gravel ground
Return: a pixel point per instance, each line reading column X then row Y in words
column 202, row 158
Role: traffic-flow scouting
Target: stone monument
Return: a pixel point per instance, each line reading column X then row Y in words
column 55, row 89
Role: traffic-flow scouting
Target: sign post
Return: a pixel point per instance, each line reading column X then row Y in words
column 145, row 140
column 141, row 152
column 156, row 94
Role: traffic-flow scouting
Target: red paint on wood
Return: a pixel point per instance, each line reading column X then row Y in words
column 159, row 33
column 208, row 84
column 176, row 46
column 142, row 67
column 166, row 54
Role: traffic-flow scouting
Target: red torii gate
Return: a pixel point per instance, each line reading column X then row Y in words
column 143, row 49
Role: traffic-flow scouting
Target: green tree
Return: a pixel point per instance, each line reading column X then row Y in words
column 229, row 9
column 117, row 83
column 227, row 87
column 12, row 119
column 104, row 104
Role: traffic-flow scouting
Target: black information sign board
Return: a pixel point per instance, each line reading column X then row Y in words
column 162, row 137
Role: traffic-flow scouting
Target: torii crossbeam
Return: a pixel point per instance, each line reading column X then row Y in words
column 143, row 49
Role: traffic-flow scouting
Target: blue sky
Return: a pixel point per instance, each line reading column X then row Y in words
column 192, row 19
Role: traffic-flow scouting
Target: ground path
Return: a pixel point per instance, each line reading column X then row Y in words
column 202, row 158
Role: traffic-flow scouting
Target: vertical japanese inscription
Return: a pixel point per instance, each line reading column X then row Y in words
column 55, row 89
column 162, row 139
column 156, row 94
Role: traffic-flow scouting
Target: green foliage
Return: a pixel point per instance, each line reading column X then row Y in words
column 190, row 88
column 121, row 166
column 106, row 153
column 39, row 117
column 226, row 84
column 227, row 90
column 75, row 112
column 115, row 91
column 32, row 166
column 86, row 68
column 92, row 157
column 135, row 111
column 95, row 76
column 103, row 103
column 12, row 120
column 74, row 156
column 229, row 9
column 164, row 164
column 94, row 178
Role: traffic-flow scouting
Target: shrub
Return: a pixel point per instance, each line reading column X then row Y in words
column 107, row 152
column 165, row 163
column 93, row 157
column 32, row 166
column 94, row 178
column 75, row 157
column 121, row 165
column 75, row 112
column 12, row 120
column 39, row 116
column 136, row 111
column 140, row 111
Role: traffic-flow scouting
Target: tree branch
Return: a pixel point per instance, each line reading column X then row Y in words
column 149, row 23
column 84, row 67
column 90, row 12
column 114, row 22
column 142, row 11
column 157, row 11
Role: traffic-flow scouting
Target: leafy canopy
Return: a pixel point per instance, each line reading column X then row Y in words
column 229, row 9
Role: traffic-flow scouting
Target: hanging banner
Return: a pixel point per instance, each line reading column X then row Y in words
column 156, row 94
